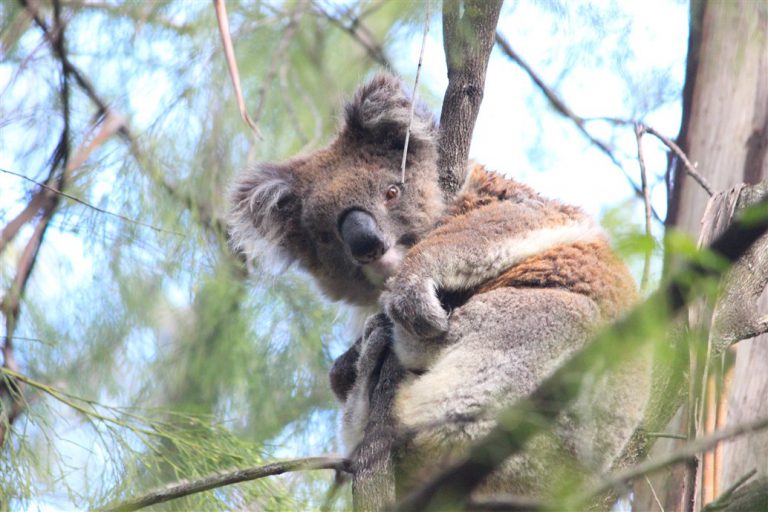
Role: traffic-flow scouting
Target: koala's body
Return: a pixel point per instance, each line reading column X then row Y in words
column 487, row 292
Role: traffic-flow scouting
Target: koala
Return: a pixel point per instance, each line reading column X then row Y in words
column 481, row 296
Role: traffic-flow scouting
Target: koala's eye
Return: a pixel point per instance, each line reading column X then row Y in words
column 393, row 192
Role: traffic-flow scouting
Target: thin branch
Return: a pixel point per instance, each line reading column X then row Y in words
column 413, row 96
column 10, row 306
column 725, row 497
column 357, row 30
column 234, row 74
column 639, row 130
column 687, row 452
column 665, row 435
column 689, row 167
column 69, row 68
column 91, row 206
column 220, row 479
column 655, row 496
column 561, row 107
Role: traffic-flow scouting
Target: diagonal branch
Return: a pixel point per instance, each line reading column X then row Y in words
column 84, row 203
column 360, row 33
column 679, row 153
column 688, row 451
column 220, row 479
column 234, row 74
column 213, row 223
column 561, row 107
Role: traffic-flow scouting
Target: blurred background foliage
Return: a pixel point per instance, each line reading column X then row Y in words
column 152, row 353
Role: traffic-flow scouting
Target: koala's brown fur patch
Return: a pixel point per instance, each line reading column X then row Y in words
column 589, row 269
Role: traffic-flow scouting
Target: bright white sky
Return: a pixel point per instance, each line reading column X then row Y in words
column 572, row 171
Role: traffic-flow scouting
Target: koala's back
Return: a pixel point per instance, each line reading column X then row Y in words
column 511, row 329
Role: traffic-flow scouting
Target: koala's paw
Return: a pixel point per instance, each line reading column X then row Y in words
column 377, row 336
column 413, row 304
column 343, row 373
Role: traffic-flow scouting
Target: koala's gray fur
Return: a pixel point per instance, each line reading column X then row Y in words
column 488, row 293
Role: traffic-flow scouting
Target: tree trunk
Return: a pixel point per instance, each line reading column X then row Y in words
column 725, row 133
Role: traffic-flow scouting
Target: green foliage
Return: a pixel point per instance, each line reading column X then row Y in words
column 188, row 366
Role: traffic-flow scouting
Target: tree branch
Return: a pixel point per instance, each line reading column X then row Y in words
column 234, row 74
column 639, row 130
column 736, row 316
column 87, row 204
column 689, row 451
column 361, row 34
column 220, row 479
column 468, row 31
column 561, row 107
column 689, row 167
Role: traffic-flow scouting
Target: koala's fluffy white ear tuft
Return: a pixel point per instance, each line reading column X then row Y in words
column 380, row 112
column 264, row 218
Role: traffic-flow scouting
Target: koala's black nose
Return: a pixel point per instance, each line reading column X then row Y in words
column 360, row 233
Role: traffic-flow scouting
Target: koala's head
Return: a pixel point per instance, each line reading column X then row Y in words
column 341, row 212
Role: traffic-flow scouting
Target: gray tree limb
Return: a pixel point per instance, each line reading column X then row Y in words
column 220, row 479
column 469, row 28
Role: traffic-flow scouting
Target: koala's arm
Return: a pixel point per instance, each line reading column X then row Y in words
column 344, row 371
column 465, row 252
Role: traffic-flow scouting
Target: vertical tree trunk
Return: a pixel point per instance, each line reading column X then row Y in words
column 725, row 133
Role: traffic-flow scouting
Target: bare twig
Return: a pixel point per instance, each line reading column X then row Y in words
column 234, row 74
column 639, row 130
column 359, row 32
column 91, row 206
column 560, row 106
column 413, row 96
column 220, row 479
column 689, row 167
column 665, row 435
column 655, row 496
column 686, row 452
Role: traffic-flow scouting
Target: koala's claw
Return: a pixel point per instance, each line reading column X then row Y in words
column 416, row 308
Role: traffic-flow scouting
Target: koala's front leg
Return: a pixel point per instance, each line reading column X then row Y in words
column 343, row 373
column 376, row 339
column 420, row 322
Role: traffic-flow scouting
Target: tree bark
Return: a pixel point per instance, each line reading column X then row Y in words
column 469, row 28
column 469, row 31
column 725, row 133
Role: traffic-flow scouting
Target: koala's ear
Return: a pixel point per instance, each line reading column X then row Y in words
column 380, row 112
column 265, row 214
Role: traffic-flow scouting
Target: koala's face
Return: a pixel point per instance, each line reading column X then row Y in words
column 341, row 212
